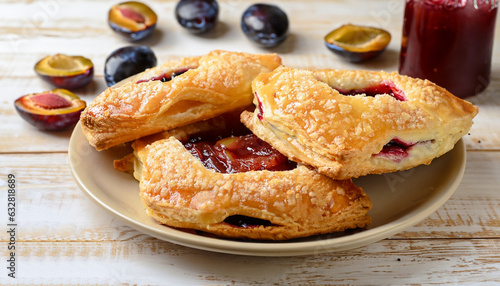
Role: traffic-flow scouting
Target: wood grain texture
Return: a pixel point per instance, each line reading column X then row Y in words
column 64, row 238
column 160, row 263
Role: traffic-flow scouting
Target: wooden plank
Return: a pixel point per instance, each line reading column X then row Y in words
column 161, row 263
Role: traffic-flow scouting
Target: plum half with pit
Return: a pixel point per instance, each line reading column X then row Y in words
column 265, row 25
column 54, row 110
column 126, row 62
column 197, row 16
column 69, row 72
column 132, row 20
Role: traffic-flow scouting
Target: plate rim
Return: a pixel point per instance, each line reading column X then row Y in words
column 275, row 249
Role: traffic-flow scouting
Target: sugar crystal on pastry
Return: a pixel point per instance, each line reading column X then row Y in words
column 205, row 87
column 178, row 190
column 339, row 121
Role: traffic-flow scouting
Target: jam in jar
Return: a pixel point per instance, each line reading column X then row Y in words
column 449, row 42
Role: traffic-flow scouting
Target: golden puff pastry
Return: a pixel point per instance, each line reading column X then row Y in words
column 155, row 100
column 179, row 191
column 351, row 123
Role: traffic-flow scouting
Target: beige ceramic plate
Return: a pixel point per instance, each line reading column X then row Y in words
column 400, row 200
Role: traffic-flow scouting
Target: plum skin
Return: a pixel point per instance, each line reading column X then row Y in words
column 56, row 122
column 54, row 70
column 265, row 25
column 127, row 61
column 70, row 82
column 133, row 36
column 197, row 16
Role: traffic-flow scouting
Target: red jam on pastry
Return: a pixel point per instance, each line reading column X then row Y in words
column 237, row 186
column 164, row 77
column 246, row 221
column 396, row 150
column 350, row 123
column 158, row 99
column 238, row 154
column 384, row 87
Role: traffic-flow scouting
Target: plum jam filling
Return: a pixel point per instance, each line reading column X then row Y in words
column 246, row 222
column 164, row 77
column 396, row 149
column 50, row 101
column 385, row 87
column 260, row 115
column 235, row 149
column 237, row 154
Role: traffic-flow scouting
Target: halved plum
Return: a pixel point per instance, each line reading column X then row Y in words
column 54, row 110
column 357, row 43
column 69, row 72
column 132, row 20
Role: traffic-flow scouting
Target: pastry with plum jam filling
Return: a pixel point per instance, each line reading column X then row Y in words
column 216, row 177
column 175, row 94
column 348, row 124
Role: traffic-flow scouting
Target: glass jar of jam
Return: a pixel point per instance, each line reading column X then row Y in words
column 449, row 42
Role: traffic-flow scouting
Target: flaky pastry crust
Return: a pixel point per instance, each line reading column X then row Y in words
column 178, row 191
column 213, row 84
column 304, row 116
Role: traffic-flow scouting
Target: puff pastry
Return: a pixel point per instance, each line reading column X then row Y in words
column 351, row 123
column 280, row 204
column 154, row 100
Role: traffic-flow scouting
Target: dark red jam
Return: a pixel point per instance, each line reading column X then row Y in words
column 164, row 77
column 450, row 43
column 385, row 87
column 396, row 150
column 246, row 222
column 238, row 154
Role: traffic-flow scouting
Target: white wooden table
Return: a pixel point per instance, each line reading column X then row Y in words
column 62, row 237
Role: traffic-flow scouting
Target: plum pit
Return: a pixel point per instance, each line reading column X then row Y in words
column 54, row 110
column 50, row 101
column 132, row 20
